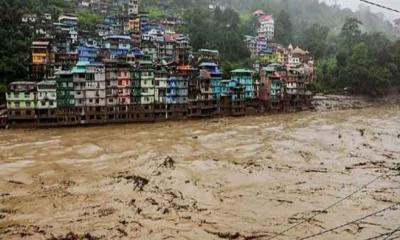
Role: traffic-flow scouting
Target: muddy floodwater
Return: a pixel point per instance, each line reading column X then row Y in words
column 231, row 178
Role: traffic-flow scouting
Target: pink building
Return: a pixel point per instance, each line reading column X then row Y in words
column 124, row 84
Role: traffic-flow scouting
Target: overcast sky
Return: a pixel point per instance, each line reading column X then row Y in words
column 354, row 4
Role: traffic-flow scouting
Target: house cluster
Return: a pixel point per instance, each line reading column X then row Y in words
column 265, row 29
column 139, row 70
column 286, row 73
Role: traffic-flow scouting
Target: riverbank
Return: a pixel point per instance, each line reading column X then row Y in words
column 228, row 178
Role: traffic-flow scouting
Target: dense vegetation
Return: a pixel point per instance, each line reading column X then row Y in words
column 348, row 52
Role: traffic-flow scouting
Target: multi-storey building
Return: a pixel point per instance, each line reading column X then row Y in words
column 244, row 77
column 95, row 93
column 21, row 102
column 161, row 77
column 215, row 77
column 118, row 45
column 65, row 60
column 111, row 68
column 79, row 79
column 124, row 83
column 266, row 27
column 65, row 98
column 42, row 60
column 184, row 73
column 65, row 89
column 133, row 7
column 182, row 49
column 87, row 53
column 46, row 102
column 146, row 82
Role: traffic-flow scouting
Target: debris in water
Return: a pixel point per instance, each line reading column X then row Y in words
column 362, row 132
column 104, row 212
column 74, row 236
column 140, row 183
column 168, row 162
column 16, row 182
column 322, row 170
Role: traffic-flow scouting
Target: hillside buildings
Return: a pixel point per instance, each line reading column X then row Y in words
column 142, row 70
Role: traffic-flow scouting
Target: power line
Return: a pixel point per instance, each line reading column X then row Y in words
column 354, row 221
column 380, row 6
column 317, row 213
column 391, row 233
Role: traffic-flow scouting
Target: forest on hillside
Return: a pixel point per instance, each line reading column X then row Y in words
column 370, row 59
column 358, row 51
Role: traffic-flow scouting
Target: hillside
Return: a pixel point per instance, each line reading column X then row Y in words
column 303, row 13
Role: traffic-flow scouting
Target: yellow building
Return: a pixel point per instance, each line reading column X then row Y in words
column 42, row 60
column 41, row 53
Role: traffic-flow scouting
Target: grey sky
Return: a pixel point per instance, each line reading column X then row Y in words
column 354, row 4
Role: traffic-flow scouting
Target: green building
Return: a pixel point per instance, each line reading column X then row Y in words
column 65, row 89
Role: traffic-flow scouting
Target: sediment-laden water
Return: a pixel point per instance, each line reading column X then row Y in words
column 233, row 178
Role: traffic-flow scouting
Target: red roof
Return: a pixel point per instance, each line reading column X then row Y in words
column 265, row 18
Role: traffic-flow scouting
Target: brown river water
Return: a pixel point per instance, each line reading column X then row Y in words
column 231, row 178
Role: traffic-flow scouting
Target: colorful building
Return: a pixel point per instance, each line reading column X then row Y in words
column 65, row 89
column 266, row 27
column 215, row 75
column 46, row 102
column 21, row 101
column 161, row 77
column 87, row 53
column 118, row 45
column 244, row 77
column 42, row 60
column 95, row 85
column 124, row 83
column 79, row 79
column 146, row 81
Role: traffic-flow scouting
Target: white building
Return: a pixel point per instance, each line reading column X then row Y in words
column 133, row 7
column 29, row 18
column 95, row 85
column 47, row 95
column 266, row 27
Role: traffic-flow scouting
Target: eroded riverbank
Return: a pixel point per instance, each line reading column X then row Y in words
column 233, row 178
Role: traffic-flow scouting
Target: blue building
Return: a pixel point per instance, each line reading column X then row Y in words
column 172, row 90
column 87, row 53
column 215, row 77
column 118, row 45
column 244, row 78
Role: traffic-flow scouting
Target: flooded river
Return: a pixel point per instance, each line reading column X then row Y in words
column 232, row 178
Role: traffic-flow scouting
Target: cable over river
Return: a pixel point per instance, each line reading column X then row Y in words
column 285, row 176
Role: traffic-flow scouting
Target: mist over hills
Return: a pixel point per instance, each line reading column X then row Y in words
column 302, row 12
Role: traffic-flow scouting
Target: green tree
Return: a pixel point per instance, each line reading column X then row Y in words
column 283, row 28
column 314, row 38
column 351, row 33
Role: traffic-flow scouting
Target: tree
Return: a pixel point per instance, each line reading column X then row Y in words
column 351, row 33
column 314, row 39
column 283, row 28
